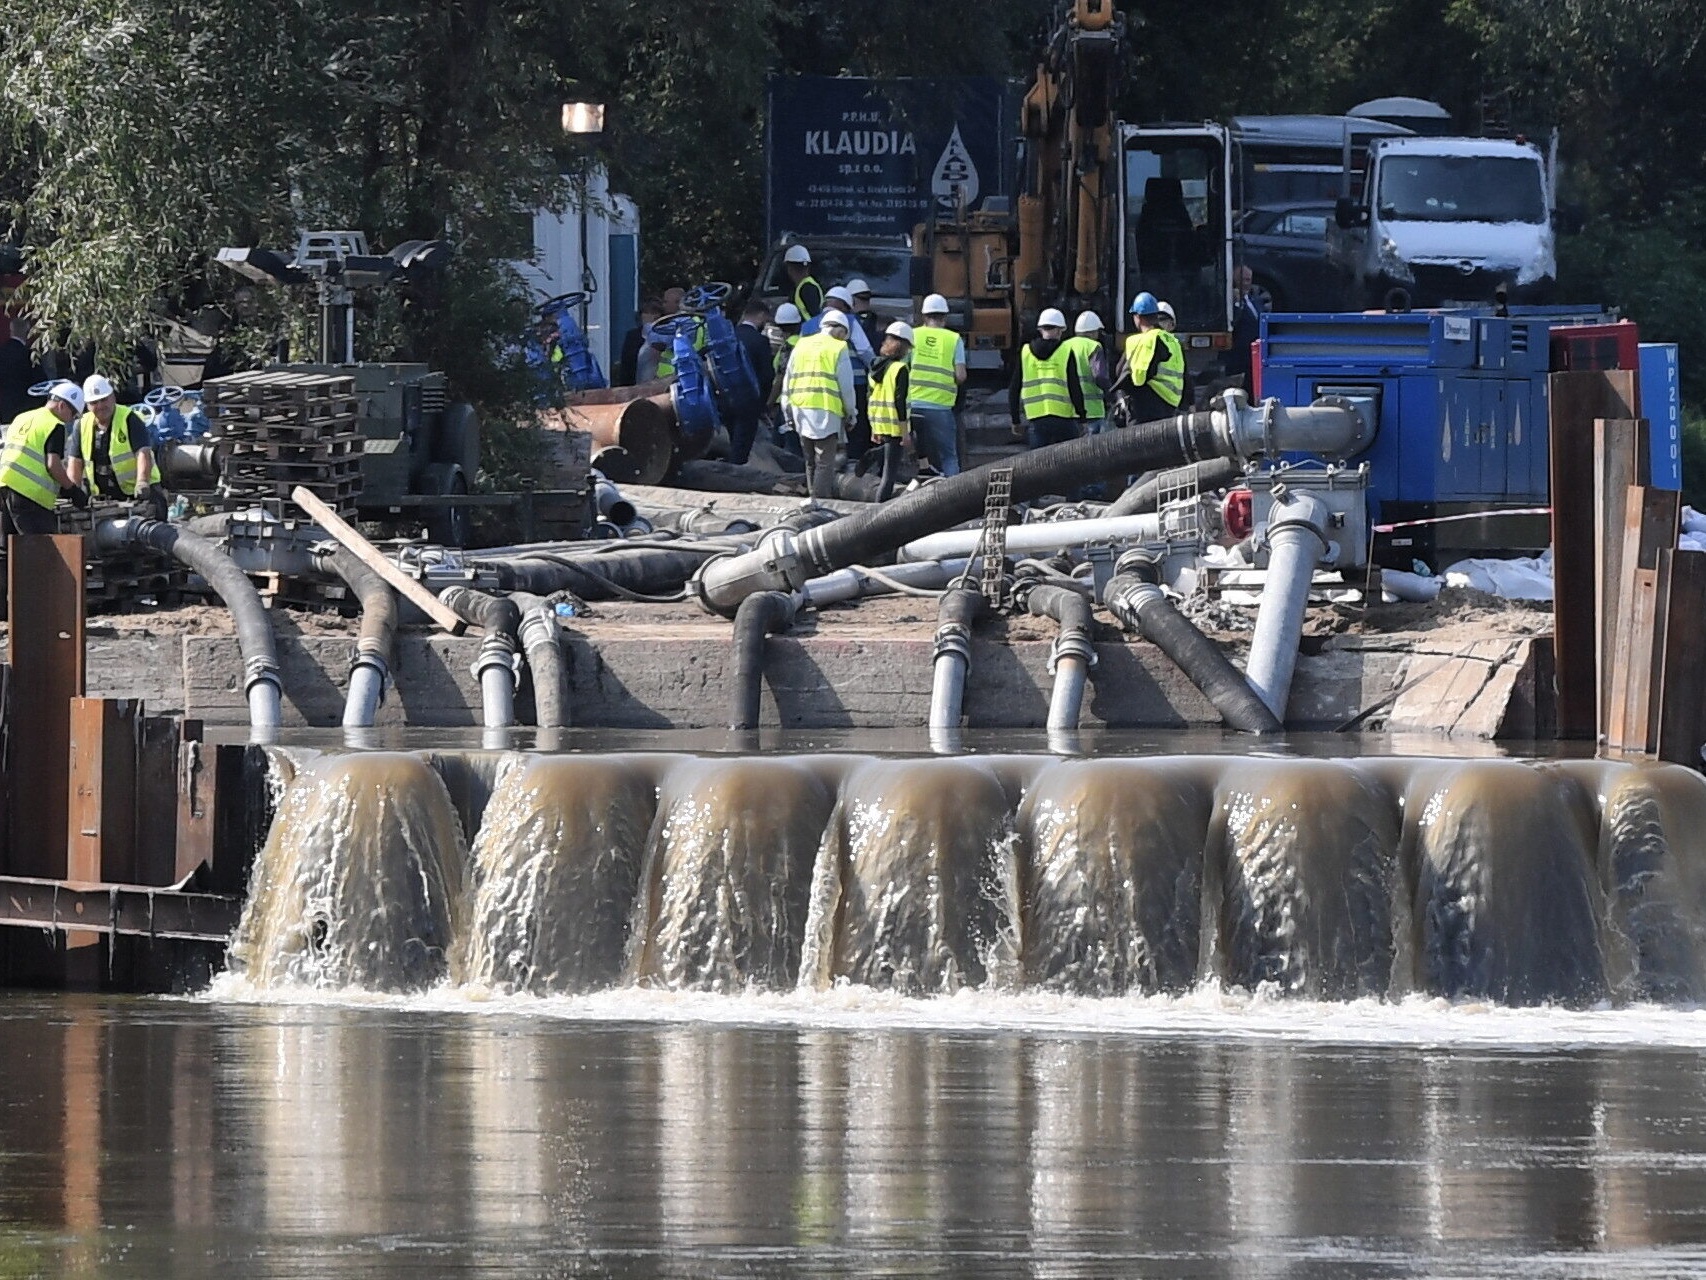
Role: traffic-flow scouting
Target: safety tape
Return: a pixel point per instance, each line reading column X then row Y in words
column 1468, row 515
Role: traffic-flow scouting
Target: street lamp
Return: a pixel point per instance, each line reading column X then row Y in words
column 583, row 117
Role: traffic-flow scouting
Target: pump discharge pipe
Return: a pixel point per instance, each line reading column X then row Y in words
column 785, row 561
column 1297, row 541
column 541, row 640
column 370, row 666
column 1134, row 596
column 495, row 665
column 1073, row 655
column 766, row 614
column 261, row 684
column 959, row 608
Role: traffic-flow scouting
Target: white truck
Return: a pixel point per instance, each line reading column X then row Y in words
column 1429, row 221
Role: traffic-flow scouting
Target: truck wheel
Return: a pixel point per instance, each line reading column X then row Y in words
column 447, row 526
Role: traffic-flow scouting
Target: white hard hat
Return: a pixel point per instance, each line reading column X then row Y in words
column 856, row 286
column 69, row 392
column 935, row 305
column 798, row 253
column 95, row 387
column 788, row 313
column 899, row 329
column 1166, row 309
column 839, row 294
column 1051, row 319
column 1088, row 322
column 832, row 317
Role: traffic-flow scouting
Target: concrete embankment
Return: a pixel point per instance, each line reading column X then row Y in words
column 1476, row 673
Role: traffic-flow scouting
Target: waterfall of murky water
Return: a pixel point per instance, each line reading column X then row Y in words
column 1328, row 879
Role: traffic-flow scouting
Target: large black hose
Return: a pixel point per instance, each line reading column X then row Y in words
column 761, row 615
column 495, row 664
column 261, row 684
column 371, row 665
column 542, row 641
column 620, row 574
column 1134, row 596
column 1145, row 496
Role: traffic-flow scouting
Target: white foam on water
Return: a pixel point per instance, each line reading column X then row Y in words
column 1208, row 1011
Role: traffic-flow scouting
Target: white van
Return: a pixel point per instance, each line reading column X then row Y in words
column 1437, row 220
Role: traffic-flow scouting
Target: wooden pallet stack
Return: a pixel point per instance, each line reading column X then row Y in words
column 285, row 429
column 117, row 580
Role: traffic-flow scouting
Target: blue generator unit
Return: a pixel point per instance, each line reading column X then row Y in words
column 1460, row 402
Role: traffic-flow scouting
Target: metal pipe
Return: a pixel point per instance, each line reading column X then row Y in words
column 1332, row 427
column 1073, row 655
column 633, row 441
column 856, row 581
column 1135, row 598
column 370, row 665
column 955, row 614
column 758, row 617
column 612, row 506
column 1048, row 535
column 495, row 665
column 261, row 684
column 1297, row 541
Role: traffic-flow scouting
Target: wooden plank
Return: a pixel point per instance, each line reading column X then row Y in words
column 1649, row 526
column 46, row 608
column 1682, row 692
column 1575, row 400
column 1642, row 604
column 1616, row 467
column 368, row 554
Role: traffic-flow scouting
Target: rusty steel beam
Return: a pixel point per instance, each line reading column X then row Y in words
column 45, row 650
column 127, row 910
column 632, row 441
column 102, row 844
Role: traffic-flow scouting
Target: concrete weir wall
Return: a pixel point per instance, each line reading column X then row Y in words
column 642, row 677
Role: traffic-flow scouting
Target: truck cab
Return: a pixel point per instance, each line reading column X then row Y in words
column 1437, row 220
column 883, row 262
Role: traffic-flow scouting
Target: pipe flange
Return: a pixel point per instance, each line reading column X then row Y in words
column 1297, row 511
column 1072, row 644
column 261, row 671
column 497, row 651
column 952, row 638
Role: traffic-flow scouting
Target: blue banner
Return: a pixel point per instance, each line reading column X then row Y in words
column 1661, row 406
column 856, row 157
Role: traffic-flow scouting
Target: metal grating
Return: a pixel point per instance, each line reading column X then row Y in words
column 1177, row 496
column 992, row 546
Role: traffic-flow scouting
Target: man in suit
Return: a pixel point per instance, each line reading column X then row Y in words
column 17, row 373
column 1246, row 324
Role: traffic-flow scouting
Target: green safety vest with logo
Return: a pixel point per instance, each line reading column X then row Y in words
column 1169, row 382
column 121, row 447
column 1043, row 391
column 812, row 383
column 886, row 422
column 932, row 378
column 23, row 461
column 1084, row 349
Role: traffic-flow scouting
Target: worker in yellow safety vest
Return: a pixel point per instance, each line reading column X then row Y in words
column 935, row 374
column 1046, row 397
column 31, row 468
column 1154, row 367
column 818, row 397
column 890, row 389
column 111, row 450
column 808, row 293
column 1091, row 359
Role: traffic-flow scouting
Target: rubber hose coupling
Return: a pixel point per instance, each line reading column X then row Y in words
column 952, row 638
column 1293, row 510
column 538, row 626
column 260, row 670
column 1072, row 643
column 497, row 651
column 369, row 652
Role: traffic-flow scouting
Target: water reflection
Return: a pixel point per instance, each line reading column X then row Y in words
column 141, row 1139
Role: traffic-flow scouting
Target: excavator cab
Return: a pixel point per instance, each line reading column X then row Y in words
column 1175, row 220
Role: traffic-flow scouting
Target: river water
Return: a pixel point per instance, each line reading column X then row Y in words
column 641, row 1133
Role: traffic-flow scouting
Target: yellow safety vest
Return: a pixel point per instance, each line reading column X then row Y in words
column 23, row 461
column 1084, row 349
column 121, row 448
column 1169, row 381
column 780, row 360
column 666, row 359
column 932, row 378
column 1043, row 391
column 806, row 313
column 812, row 381
column 886, row 421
